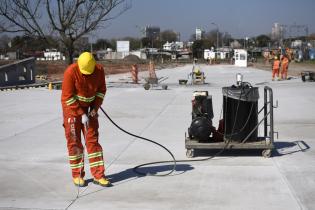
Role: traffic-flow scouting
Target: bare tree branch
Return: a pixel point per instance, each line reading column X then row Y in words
column 71, row 19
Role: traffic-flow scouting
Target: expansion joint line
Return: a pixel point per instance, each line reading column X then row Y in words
column 128, row 145
column 143, row 130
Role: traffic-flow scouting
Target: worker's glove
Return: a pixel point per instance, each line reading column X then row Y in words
column 85, row 119
column 93, row 113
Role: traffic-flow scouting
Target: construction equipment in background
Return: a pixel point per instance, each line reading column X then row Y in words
column 134, row 73
column 153, row 80
column 307, row 76
column 197, row 76
column 238, row 129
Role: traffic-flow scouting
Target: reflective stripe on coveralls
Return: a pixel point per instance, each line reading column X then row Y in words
column 75, row 157
column 79, row 94
column 96, row 154
column 78, row 165
column 84, row 99
column 100, row 95
column 98, row 163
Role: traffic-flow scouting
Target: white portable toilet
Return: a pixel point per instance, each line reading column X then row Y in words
column 240, row 56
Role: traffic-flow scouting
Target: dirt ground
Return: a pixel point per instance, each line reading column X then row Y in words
column 295, row 69
column 54, row 69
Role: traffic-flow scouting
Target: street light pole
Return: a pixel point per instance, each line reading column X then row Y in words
column 217, row 34
column 141, row 34
column 245, row 43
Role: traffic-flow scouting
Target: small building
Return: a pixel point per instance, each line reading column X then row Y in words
column 209, row 54
column 53, row 54
column 12, row 55
column 240, row 56
column 123, row 48
column 21, row 72
column 173, row 46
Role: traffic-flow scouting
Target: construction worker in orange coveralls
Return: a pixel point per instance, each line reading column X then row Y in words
column 275, row 68
column 83, row 91
column 284, row 67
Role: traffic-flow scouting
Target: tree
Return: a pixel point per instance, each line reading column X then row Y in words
column 146, row 42
column 102, row 44
column 70, row 19
column 199, row 46
column 212, row 36
column 312, row 36
column 262, row 40
column 168, row 36
column 31, row 43
column 134, row 42
column 4, row 43
column 224, row 38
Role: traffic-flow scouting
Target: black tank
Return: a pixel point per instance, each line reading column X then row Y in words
column 240, row 112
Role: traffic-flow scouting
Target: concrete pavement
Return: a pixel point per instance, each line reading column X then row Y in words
column 35, row 174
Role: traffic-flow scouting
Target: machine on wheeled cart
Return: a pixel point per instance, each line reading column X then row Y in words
column 239, row 127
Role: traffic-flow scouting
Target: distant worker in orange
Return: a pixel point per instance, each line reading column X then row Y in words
column 152, row 69
column 284, row 66
column 275, row 68
column 83, row 91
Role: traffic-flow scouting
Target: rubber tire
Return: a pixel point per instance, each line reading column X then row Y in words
column 266, row 153
column 146, row 86
column 190, row 153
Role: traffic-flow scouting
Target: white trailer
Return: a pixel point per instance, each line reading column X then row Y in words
column 240, row 56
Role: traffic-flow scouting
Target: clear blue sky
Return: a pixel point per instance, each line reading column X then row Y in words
column 240, row 18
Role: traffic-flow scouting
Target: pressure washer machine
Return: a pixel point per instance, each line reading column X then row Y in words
column 238, row 129
column 202, row 114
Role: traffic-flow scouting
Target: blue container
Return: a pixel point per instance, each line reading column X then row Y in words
column 311, row 54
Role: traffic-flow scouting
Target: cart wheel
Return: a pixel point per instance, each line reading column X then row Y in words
column 190, row 153
column 266, row 153
column 146, row 86
column 164, row 87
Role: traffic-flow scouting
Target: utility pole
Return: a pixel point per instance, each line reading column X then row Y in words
column 141, row 34
column 217, row 34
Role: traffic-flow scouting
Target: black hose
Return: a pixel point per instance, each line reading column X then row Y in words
column 174, row 161
column 149, row 140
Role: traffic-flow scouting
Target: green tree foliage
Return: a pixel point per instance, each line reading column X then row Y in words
column 168, row 36
column 146, row 42
column 135, row 43
column 31, row 43
column 102, row 44
column 199, row 46
column 262, row 40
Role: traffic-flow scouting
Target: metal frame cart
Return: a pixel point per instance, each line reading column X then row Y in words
column 154, row 82
column 265, row 143
column 197, row 77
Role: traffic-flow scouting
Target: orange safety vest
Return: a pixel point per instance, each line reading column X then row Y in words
column 284, row 61
column 276, row 64
column 81, row 91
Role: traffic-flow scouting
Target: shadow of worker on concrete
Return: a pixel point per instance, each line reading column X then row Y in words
column 130, row 173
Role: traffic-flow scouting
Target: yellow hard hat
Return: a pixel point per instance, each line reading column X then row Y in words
column 86, row 63
column 276, row 58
